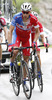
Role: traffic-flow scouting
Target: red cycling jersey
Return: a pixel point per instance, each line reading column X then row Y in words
column 23, row 29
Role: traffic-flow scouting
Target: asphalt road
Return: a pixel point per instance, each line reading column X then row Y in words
column 6, row 90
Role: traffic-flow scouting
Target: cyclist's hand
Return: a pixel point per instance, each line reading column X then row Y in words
column 6, row 41
column 34, row 43
column 46, row 44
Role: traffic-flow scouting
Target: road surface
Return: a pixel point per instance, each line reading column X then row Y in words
column 6, row 90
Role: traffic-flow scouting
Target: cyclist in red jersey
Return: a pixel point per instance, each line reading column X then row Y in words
column 21, row 24
column 2, row 27
column 41, row 35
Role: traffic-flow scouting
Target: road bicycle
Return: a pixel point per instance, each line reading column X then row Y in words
column 19, row 74
column 35, row 69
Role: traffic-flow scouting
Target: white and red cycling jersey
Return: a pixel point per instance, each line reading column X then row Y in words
column 23, row 29
column 2, row 24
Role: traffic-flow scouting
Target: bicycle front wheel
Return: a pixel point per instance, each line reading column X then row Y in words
column 27, row 80
column 15, row 84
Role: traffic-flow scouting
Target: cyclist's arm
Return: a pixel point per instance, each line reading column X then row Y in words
column 5, row 31
column 37, row 32
column 10, row 33
column 42, row 38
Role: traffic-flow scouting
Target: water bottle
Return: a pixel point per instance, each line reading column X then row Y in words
column 18, row 68
column 32, row 64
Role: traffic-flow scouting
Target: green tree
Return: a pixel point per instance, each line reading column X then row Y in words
column 17, row 4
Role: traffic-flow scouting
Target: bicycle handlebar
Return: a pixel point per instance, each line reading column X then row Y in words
column 21, row 48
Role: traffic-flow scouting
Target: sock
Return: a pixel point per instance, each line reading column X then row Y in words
column 11, row 64
column 39, row 74
column 24, row 82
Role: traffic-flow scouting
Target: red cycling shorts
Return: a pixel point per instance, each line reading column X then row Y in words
column 26, row 52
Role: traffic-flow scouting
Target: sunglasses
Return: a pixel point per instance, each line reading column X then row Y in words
column 25, row 12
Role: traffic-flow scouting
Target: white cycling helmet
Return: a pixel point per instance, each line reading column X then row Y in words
column 26, row 7
column 35, row 13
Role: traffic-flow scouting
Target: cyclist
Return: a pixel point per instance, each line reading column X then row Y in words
column 21, row 24
column 41, row 35
column 2, row 27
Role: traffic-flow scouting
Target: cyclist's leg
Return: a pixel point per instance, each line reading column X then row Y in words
column 39, row 63
column 12, row 64
column 1, row 39
column 38, row 54
column 17, row 44
column 26, row 54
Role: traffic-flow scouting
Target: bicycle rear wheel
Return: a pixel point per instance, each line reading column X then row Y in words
column 39, row 76
column 15, row 84
column 27, row 80
column 40, row 83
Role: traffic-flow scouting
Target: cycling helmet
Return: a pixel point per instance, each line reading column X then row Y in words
column 0, row 13
column 26, row 7
column 35, row 13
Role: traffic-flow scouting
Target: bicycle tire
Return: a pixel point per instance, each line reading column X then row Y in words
column 28, row 79
column 15, row 84
column 32, row 71
column 33, row 83
column 39, row 79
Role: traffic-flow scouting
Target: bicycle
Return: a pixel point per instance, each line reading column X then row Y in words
column 18, row 76
column 35, row 69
